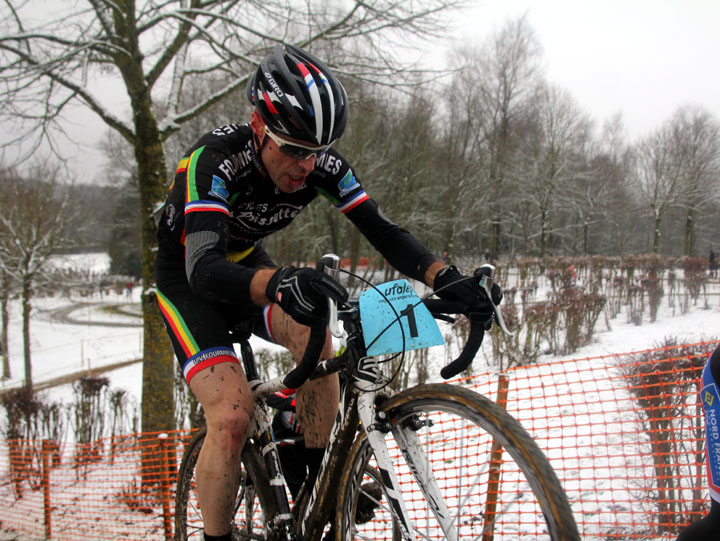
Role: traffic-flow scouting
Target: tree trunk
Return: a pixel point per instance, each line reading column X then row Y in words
column 5, row 315
column 158, row 403
column 657, row 233
column 354, row 253
column 26, row 308
column 690, row 233
column 494, row 239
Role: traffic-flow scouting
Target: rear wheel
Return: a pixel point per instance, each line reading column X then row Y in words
column 484, row 476
column 253, row 502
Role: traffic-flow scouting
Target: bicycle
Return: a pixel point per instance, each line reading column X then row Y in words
column 452, row 479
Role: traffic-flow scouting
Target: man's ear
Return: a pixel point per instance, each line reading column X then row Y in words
column 257, row 125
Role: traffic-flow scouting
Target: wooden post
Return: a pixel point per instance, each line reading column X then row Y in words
column 495, row 468
column 46, row 487
column 165, row 493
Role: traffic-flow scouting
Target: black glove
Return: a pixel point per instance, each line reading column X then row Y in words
column 453, row 286
column 303, row 293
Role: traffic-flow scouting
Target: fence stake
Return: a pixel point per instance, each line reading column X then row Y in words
column 495, row 467
column 46, row 487
column 165, row 484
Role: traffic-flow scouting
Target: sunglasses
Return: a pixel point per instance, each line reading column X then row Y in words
column 296, row 151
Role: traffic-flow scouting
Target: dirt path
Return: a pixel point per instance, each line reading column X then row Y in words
column 74, row 376
column 63, row 315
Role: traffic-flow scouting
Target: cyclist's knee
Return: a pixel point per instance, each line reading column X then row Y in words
column 228, row 427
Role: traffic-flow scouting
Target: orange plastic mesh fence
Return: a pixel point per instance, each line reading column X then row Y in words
column 623, row 432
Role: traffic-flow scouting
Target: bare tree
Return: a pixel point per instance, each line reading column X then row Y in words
column 35, row 223
column 492, row 90
column 154, row 48
column 603, row 197
column 555, row 160
column 697, row 136
column 658, row 176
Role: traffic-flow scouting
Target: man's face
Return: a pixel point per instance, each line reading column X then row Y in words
column 287, row 173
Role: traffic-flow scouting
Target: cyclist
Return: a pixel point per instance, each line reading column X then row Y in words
column 708, row 528
column 235, row 186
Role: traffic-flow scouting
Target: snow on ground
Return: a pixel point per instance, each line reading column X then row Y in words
column 106, row 329
column 75, row 334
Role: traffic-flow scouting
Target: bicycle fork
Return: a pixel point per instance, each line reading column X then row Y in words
column 376, row 426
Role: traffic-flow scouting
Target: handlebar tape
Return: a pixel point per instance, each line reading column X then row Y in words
column 475, row 337
column 300, row 374
column 443, row 306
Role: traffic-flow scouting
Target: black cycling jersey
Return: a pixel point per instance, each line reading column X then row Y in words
column 222, row 203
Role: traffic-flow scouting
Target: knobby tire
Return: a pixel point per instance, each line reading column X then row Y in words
column 254, row 496
column 459, row 430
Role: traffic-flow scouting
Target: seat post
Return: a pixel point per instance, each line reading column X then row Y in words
column 248, row 360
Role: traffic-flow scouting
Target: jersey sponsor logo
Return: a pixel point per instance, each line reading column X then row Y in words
column 232, row 164
column 711, row 405
column 328, row 163
column 207, row 358
column 219, row 189
column 264, row 215
column 170, row 216
column 347, row 184
column 227, row 129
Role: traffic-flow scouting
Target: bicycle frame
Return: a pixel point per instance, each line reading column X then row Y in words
column 357, row 403
column 313, row 505
column 367, row 414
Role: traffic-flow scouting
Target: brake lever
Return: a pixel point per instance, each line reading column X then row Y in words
column 486, row 283
column 330, row 264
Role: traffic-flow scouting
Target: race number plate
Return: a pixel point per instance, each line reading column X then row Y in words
column 384, row 310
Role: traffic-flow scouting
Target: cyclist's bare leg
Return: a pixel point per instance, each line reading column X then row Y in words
column 317, row 400
column 226, row 399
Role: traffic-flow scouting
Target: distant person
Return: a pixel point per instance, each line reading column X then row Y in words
column 713, row 264
column 571, row 277
column 708, row 528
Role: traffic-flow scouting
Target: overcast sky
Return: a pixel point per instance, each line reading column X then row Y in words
column 640, row 57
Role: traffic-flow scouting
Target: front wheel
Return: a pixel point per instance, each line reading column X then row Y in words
column 253, row 501
column 466, row 469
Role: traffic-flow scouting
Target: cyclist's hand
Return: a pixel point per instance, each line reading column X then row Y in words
column 451, row 285
column 303, row 293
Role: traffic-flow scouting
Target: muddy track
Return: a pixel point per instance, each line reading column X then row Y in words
column 74, row 376
column 64, row 315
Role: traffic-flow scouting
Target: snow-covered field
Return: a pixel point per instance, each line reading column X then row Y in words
column 71, row 335
column 102, row 334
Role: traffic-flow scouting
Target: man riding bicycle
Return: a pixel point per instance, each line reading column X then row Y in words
column 235, row 186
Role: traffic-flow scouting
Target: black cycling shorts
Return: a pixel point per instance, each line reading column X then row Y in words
column 202, row 331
